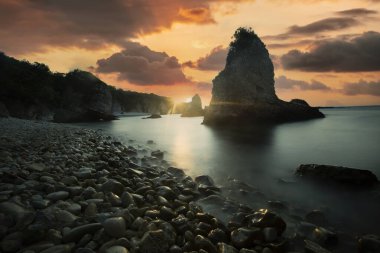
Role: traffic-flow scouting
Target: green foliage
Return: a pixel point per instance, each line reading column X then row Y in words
column 243, row 39
column 25, row 81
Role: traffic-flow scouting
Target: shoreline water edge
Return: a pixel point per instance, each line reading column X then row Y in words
column 70, row 189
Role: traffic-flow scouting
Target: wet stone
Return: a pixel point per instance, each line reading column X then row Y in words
column 175, row 249
column 201, row 242
column 246, row 238
column 64, row 248
column 10, row 245
column 74, row 208
column 115, row 227
column 165, row 192
column 369, row 243
column 167, row 213
column 225, row 248
column 270, row 234
column 117, row 249
column 40, row 204
column 250, row 251
column 77, row 233
column 114, row 199
column 324, row 237
column 267, row 250
column 205, row 180
column 312, row 247
column 264, row 218
column 60, row 195
column 114, row 186
column 316, row 217
column 217, row 236
column 154, row 242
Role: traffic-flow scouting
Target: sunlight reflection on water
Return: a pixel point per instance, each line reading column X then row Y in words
column 262, row 154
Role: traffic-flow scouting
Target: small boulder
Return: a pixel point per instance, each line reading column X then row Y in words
column 158, row 154
column 77, row 233
column 114, row 186
column 154, row 242
column 117, row 249
column 264, row 218
column 369, row 244
column 336, row 174
column 225, row 248
column 60, row 195
column 246, row 238
column 205, row 180
column 115, row 227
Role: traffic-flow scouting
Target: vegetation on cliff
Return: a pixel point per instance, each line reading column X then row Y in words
column 33, row 91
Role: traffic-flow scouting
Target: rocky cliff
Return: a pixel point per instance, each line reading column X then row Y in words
column 32, row 91
column 244, row 91
column 190, row 109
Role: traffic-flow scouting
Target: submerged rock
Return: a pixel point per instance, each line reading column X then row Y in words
column 337, row 174
column 153, row 116
column 244, row 91
column 312, row 247
column 369, row 243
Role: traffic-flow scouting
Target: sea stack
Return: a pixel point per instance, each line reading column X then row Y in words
column 194, row 108
column 244, row 91
column 190, row 109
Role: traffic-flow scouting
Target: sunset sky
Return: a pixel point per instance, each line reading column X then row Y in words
column 324, row 51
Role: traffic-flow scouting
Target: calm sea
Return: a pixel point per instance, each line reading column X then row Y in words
column 261, row 155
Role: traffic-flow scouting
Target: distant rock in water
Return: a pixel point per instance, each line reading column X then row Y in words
column 336, row 174
column 153, row 116
column 191, row 109
column 244, row 91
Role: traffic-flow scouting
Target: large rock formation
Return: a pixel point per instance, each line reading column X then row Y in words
column 244, row 91
column 190, row 109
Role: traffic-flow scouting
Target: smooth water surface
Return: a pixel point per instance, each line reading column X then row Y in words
column 263, row 154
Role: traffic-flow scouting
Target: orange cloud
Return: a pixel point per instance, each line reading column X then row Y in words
column 196, row 15
column 30, row 26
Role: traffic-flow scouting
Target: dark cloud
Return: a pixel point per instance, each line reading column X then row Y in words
column 204, row 86
column 33, row 25
column 215, row 60
column 359, row 54
column 357, row 12
column 284, row 83
column 276, row 60
column 362, row 88
column 141, row 66
column 291, row 44
column 317, row 27
column 324, row 25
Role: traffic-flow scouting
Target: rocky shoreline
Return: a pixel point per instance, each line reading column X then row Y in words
column 69, row 189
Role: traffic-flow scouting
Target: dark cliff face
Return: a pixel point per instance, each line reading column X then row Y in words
column 248, row 75
column 32, row 91
column 244, row 91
